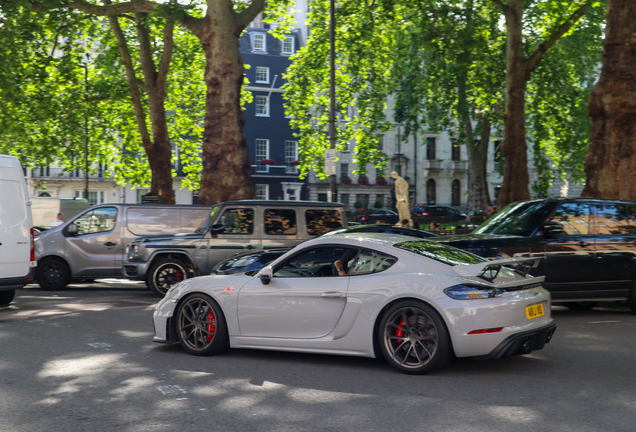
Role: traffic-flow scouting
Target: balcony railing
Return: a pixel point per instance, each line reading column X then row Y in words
column 459, row 165
column 60, row 174
column 432, row 165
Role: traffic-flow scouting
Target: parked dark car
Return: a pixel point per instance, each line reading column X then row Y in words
column 589, row 246
column 383, row 228
column 375, row 216
column 247, row 261
column 439, row 214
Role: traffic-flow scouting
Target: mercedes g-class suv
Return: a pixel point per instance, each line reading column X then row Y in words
column 232, row 227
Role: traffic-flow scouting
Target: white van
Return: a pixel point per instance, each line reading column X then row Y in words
column 45, row 210
column 17, row 253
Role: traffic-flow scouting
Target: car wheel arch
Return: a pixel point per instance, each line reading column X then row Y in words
column 378, row 319
column 172, row 324
column 181, row 256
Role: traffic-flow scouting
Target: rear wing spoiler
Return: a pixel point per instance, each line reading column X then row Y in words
column 490, row 269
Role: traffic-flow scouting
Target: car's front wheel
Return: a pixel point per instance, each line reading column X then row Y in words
column 413, row 338
column 53, row 274
column 165, row 273
column 201, row 326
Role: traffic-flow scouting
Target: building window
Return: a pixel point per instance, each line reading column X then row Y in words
column 258, row 42
column 379, row 172
column 45, row 171
column 455, row 151
column 262, row 153
column 363, row 199
column 288, row 46
column 497, row 150
column 379, row 198
column 262, row 191
column 344, row 170
column 322, row 197
column 44, row 195
column 381, row 143
column 262, row 74
column 262, row 106
column 456, row 190
column 431, row 191
column 344, row 199
column 430, row 148
column 95, row 197
column 291, row 157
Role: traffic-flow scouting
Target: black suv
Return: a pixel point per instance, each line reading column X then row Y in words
column 589, row 246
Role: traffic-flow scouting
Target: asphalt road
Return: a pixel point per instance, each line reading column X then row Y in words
column 82, row 360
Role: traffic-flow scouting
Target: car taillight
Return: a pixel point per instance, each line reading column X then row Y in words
column 425, row 214
column 32, row 246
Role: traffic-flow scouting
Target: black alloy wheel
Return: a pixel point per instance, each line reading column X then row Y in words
column 201, row 326
column 53, row 274
column 413, row 338
column 165, row 273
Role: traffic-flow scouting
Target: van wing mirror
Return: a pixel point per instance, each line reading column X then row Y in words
column 265, row 275
column 72, row 229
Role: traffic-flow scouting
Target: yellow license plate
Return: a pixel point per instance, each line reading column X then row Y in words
column 535, row 311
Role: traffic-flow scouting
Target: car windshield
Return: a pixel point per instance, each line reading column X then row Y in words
column 207, row 221
column 440, row 252
column 516, row 219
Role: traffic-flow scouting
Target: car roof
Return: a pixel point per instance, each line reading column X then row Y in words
column 281, row 203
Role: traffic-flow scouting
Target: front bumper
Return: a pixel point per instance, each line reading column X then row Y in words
column 135, row 270
column 522, row 343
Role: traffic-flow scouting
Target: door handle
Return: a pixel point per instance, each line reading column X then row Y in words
column 250, row 247
column 109, row 244
column 331, row 294
column 583, row 244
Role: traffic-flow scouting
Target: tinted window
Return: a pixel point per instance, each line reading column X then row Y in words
column 370, row 261
column 98, row 220
column 517, row 218
column 440, row 252
column 615, row 219
column 280, row 221
column 312, row 263
column 237, row 221
column 570, row 219
column 321, row 221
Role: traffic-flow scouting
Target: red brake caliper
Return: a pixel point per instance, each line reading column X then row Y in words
column 212, row 325
column 401, row 333
column 179, row 275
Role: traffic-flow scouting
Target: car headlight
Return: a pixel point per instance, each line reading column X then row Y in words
column 465, row 292
column 132, row 252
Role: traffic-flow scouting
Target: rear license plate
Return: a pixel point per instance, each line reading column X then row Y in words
column 534, row 311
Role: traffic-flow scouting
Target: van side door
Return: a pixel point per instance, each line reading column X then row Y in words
column 97, row 247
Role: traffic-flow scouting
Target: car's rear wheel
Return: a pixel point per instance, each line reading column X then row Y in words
column 52, row 274
column 201, row 326
column 581, row 306
column 165, row 273
column 6, row 297
column 413, row 338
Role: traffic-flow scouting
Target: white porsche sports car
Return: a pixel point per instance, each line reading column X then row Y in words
column 415, row 302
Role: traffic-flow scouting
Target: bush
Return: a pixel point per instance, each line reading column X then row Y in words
column 358, row 204
column 377, row 204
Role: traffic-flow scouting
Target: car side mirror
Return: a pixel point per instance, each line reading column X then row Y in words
column 265, row 275
column 217, row 228
column 72, row 229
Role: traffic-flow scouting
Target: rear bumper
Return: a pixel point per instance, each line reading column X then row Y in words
column 10, row 284
column 522, row 343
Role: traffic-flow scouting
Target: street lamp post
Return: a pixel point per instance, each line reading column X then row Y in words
column 332, row 86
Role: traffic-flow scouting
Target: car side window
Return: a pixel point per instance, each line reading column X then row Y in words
column 612, row 219
column 237, row 221
column 369, row 261
column 570, row 219
column 96, row 221
column 316, row 262
column 280, row 222
column 321, row 221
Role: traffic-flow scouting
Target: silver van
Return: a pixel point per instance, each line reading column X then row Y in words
column 92, row 244
column 235, row 226
column 16, row 230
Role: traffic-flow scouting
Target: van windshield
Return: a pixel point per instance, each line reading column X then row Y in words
column 207, row 221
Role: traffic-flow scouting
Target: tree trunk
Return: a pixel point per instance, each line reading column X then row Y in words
column 226, row 161
column 610, row 163
column 515, row 148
